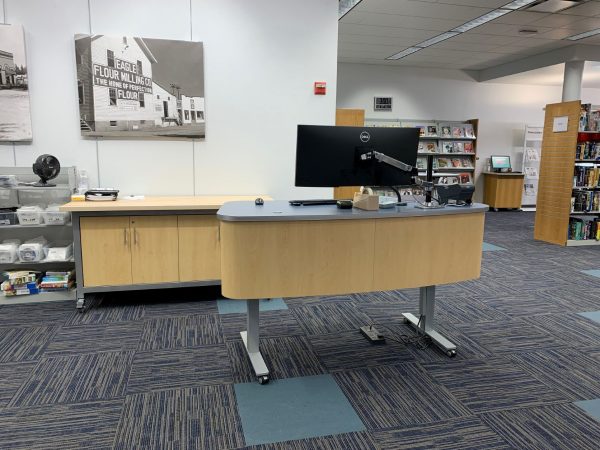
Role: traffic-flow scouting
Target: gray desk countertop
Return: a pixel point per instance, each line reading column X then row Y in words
column 281, row 210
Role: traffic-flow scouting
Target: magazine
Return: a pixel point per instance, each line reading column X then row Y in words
column 431, row 147
column 469, row 132
column 468, row 147
column 432, row 130
column 447, row 147
column 458, row 132
column 458, row 147
column 446, row 132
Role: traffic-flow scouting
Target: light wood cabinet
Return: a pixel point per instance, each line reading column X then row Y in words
column 155, row 249
column 503, row 190
column 106, row 250
column 199, row 248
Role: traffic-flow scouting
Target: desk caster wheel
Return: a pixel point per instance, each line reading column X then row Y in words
column 451, row 353
column 80, row 305
column 264, row 379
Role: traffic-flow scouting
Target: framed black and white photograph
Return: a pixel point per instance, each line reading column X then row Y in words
column 15, row 112
column 383, row 104
column 140, row 87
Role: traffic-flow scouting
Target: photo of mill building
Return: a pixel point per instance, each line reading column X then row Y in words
column 124, row 92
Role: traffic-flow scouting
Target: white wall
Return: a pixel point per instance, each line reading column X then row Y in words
column 502, row 109
column 261, row 59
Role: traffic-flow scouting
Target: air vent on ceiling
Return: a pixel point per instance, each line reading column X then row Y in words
column 528, row 31
column 554, row 6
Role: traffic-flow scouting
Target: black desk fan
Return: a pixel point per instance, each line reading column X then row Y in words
column 47, row 168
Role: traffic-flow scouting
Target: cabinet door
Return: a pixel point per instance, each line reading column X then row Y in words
column 199, row 248
column 155, row 249
column 105, row 250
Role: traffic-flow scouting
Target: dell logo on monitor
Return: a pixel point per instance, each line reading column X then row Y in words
column 365, row 136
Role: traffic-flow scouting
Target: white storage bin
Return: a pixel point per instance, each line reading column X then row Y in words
column 44, row 196
column 34, row 250
column 8, row 252
column 30, row 215
column 59, row 251
column 52, row 216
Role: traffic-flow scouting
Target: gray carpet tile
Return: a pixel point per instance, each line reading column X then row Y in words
column 171, row 306
column 83, row 426
column 347, row 441
column 272, row 323
column 294, row 302
column 386, row 312
column 393, row 297
column 556, row 427
column 574, row 299
column 24, row 344
column 452, row 310
column 168, row 369
column 181, row 332
column 75, row 379
column 109, row 337
column 486, row 286
column 12, row 375
column 465, row 433
column 330, row 317
column 402, row 395
column 508, row 336
column 286, row 357
column 516, row 305
column 36, row 314
column 351, row 350
column 107, row 309
column 492, row 384
column 568, row 371
column 192, row 418
column 568, row 329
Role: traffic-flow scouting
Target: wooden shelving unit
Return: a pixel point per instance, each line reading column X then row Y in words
column 556, row 185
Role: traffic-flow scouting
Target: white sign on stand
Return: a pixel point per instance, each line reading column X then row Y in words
column 561, row 124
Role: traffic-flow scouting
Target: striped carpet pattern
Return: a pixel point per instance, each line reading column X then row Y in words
column 160, row 369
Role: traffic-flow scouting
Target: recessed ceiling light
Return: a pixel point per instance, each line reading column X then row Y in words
column 587, row 34
column 518, row 4
column 436, row 39
column 403, row 53
column 481, row 20
column 345, row 6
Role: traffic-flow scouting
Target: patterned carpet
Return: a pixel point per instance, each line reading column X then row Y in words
column 167, row 369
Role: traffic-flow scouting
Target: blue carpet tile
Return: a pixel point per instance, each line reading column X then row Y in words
column 313, row 406
column 165, row 369
column 227, row 306
column 593, row 315
column 487, row 247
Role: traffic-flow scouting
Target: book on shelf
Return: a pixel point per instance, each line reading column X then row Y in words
column 446, row 131
column 448, row 179
column 584, row 228
column 458, row 147
column 458, row 132
column 469, row 131
column 431, row 147
column 585, row 201
column 422, row 163
column 465, row 178
column 587, row 177
column 468, row 147
column 588, row 150
column 442, row 163
column 432, row 130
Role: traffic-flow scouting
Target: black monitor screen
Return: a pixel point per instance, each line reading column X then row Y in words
column 328, row 156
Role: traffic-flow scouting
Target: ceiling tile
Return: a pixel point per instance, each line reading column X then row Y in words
column 505, row 29
column 587, row 9
column 387, row 20
column 520, row 17
column 371, row 30
column 557, row 20
column 423, row 9
column 492, row 4
column 379, row 40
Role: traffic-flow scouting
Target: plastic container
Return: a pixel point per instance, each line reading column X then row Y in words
column 8, row 181
column 52, row 216
column 8, row 217
column 30, row 215
column 34, row 250
column 44, row 196
column 8, row 252
column 83, row 182
column 59, row 251
column 9, row 198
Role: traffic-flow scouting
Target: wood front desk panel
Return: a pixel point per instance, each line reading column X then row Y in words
column 329, row 257
column 503, row 190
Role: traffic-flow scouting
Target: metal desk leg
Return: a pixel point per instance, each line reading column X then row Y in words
column 427, row 322
column 251, row 341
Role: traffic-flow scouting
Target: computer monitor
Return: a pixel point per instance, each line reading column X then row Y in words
column 328, row 156
column 500, row 162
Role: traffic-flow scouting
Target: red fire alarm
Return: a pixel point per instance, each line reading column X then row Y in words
column 320, row 88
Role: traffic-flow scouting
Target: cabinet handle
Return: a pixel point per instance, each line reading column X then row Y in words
column 135, row 236
column 125, row 240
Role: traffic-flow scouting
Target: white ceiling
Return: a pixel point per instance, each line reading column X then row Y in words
column 376, row 29
column 553, row 76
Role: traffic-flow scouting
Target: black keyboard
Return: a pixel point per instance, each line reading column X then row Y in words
column 313, row 202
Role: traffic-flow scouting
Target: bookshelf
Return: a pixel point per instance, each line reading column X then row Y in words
column 568, row 202
column 451, row 145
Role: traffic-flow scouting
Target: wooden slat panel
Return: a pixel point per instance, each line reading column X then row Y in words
column 556, row 174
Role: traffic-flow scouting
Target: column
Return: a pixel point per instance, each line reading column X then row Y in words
column 572, row 80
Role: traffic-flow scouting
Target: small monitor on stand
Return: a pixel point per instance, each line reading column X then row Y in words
column 500, row 163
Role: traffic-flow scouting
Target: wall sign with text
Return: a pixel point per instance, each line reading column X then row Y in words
column 383, row 104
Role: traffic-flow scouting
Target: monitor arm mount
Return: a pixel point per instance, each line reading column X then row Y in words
column 427, row 186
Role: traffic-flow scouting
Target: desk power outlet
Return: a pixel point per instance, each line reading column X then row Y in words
column 372, row 334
